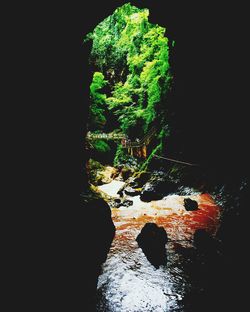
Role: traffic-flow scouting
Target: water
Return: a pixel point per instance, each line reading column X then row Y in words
column 129, row 282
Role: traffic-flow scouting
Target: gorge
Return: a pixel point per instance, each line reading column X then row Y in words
column 145, row 75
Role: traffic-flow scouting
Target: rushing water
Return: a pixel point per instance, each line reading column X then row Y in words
column 129, row 282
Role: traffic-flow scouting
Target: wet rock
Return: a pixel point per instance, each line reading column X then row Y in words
column 108, row 174
column 113, row 203
column 126, row 173
column 126, row 203
column 99, row 174
column 157, row 187
column 149, row 193
column 140, row 179
column 131, row 191
column 190, row 205
column 132, row 184
column 117, row 203
column 152, row 241
column 120, row 192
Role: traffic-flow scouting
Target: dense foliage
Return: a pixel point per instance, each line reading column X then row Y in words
column 101, row 146
column 98, row 99
column 130, row 73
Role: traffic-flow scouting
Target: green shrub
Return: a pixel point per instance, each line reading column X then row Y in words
column 133, row 54
column 101, row 146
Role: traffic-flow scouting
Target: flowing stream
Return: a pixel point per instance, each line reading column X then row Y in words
column 129, row 282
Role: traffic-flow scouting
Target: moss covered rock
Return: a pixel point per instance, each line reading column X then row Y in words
column 99, row 174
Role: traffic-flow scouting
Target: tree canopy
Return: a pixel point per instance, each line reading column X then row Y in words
column 131, row 72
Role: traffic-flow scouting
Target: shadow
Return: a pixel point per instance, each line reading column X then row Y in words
column 208, row 274
column 152, row 241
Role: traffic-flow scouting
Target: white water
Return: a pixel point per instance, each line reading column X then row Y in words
column 129, row 282
column 168, row 205
column 111, row 188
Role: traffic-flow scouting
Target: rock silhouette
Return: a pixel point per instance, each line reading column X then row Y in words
column 97, row 243
column 190, row 205
column 152, row 241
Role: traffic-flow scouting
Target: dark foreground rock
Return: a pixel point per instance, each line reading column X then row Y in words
column 152, row 241
column 190, row 205
column 98, row 233
column 205, row 244
column 205, row 265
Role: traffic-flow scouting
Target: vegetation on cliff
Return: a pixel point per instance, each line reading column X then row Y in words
column 131, row 76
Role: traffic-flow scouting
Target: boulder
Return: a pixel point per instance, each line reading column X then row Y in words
column 126, row 173
column 100, row 174
column 132, row 184
column 157, row 187
column 190, row 205
column 108, row 174
column 126, row 203
column 140, row 179
column 117, row 203
column 152, row 241
column 149, row 192
column 120, row 191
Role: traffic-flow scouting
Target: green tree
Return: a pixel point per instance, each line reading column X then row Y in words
column 131, row 55
column 98, row 102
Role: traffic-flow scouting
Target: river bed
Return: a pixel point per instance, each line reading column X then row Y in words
column 129, row 282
